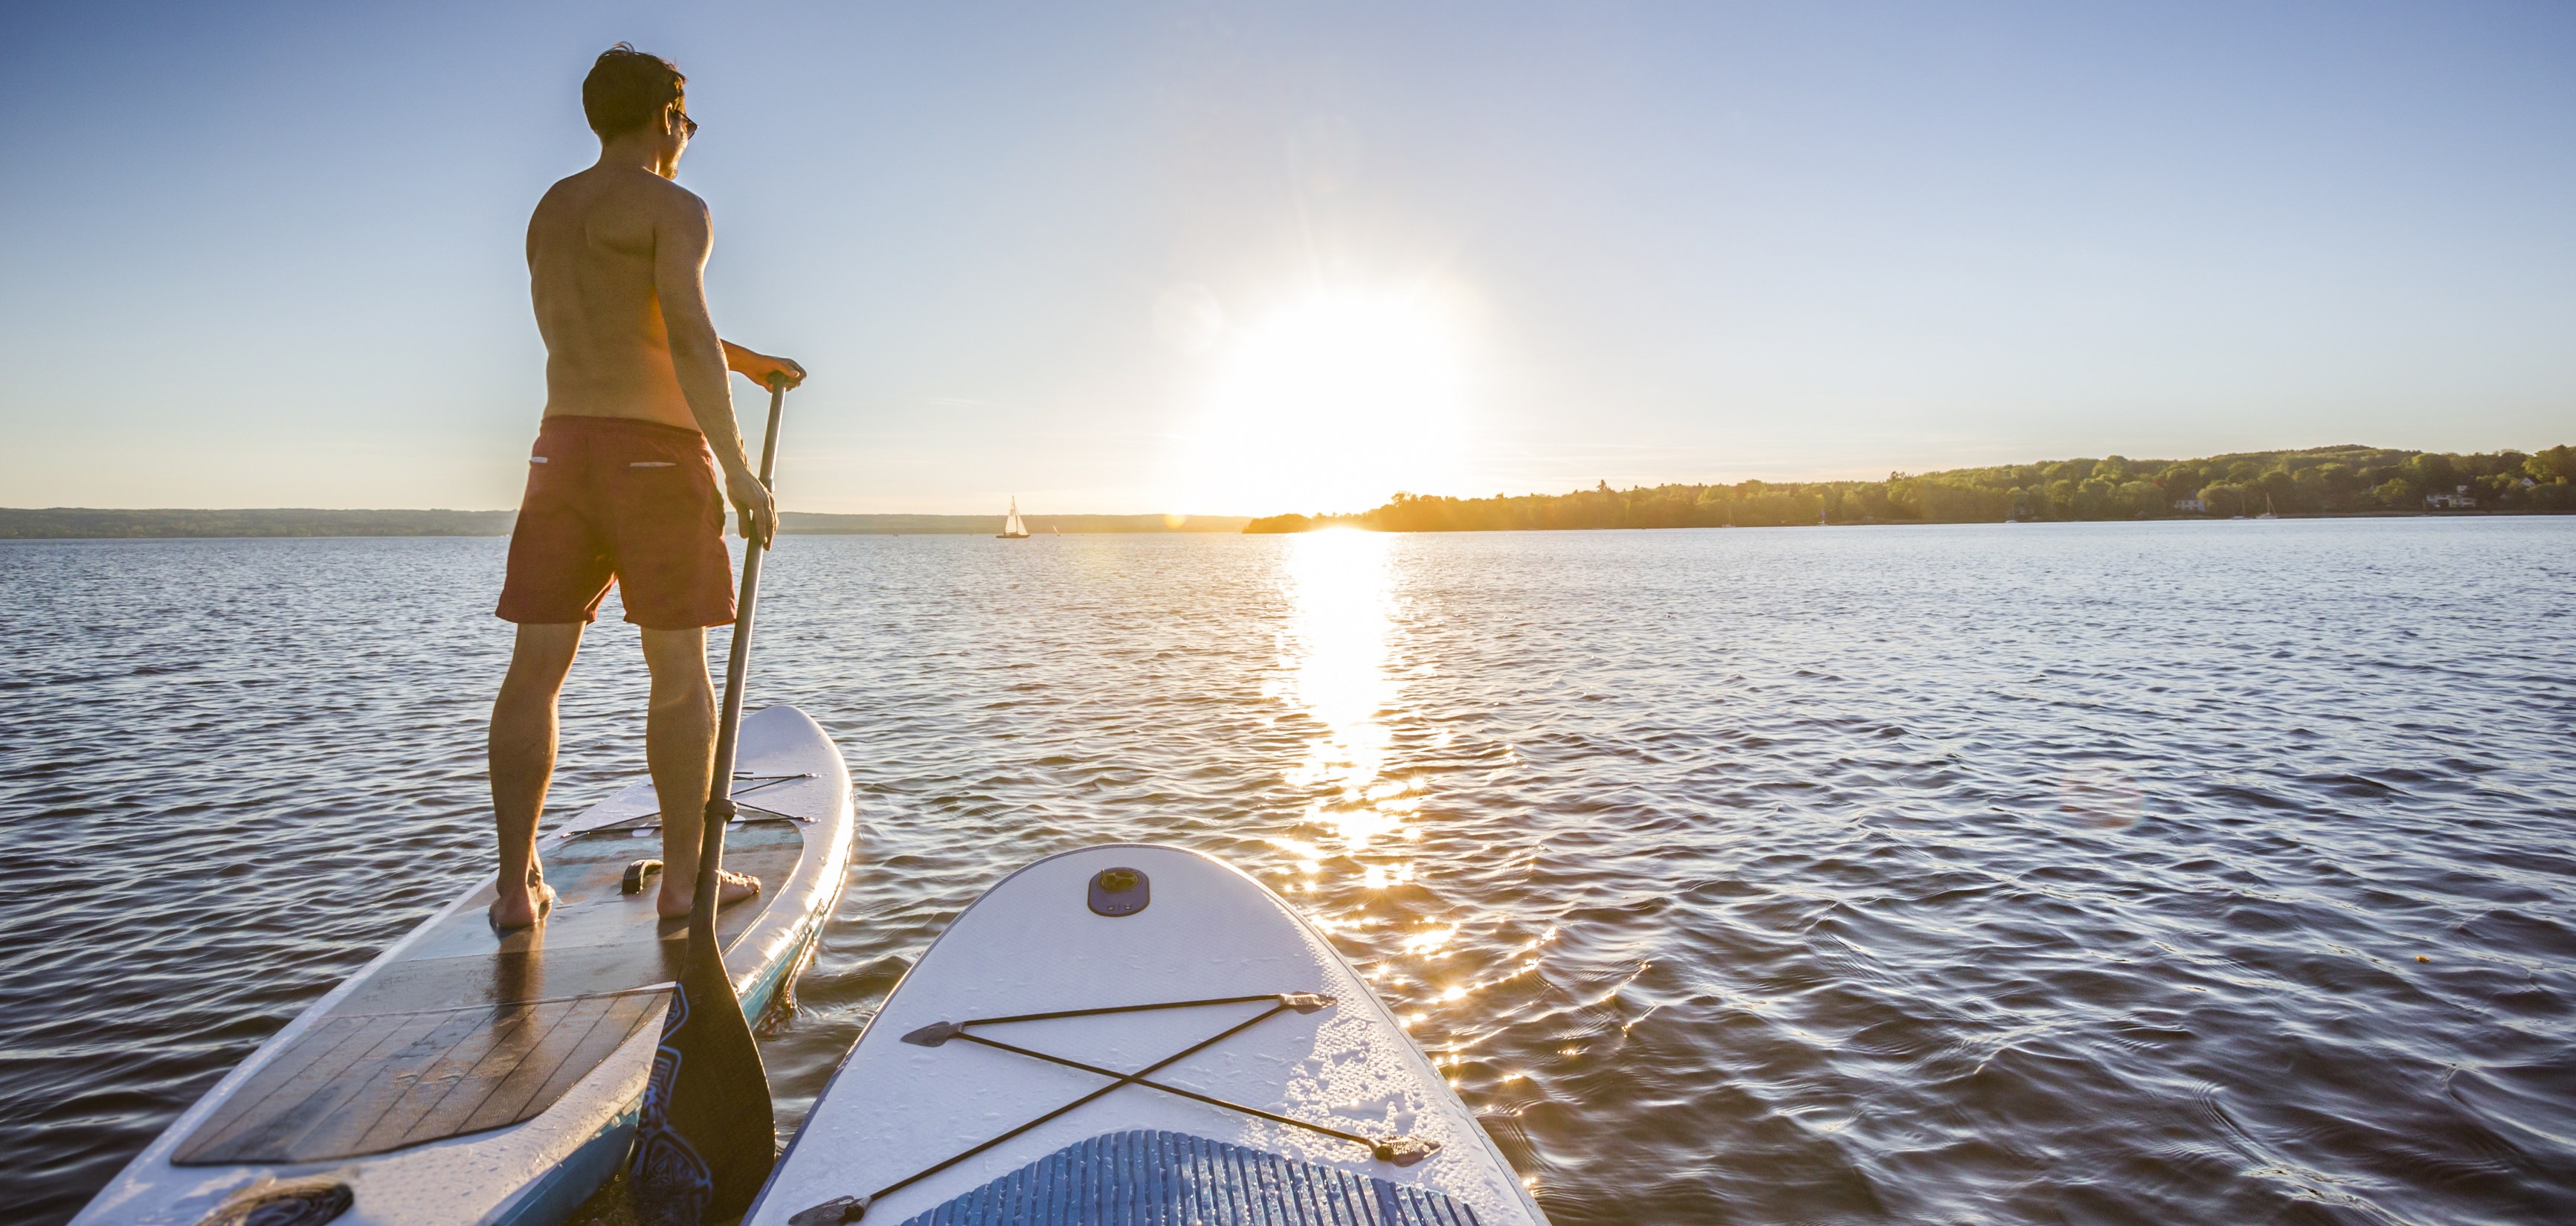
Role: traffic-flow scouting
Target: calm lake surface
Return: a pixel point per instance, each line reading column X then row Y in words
column 2189, row 872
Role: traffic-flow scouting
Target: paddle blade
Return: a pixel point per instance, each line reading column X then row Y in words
column 706, row 1140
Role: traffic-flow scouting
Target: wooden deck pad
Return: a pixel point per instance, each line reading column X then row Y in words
column 472, row 1030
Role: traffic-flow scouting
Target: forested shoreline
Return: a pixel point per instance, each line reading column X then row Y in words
column 88, row 523
column 2347, row 479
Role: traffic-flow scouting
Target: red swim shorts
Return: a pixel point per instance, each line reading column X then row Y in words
column 617, row 499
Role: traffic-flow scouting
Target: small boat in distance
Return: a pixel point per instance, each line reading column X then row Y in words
column 1012, row 528
column 2267, row 509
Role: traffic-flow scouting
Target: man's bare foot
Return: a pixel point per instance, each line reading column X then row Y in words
column 522, row 907
column 676, row 896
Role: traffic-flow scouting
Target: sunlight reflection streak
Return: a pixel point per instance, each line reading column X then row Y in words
column 1338, row 648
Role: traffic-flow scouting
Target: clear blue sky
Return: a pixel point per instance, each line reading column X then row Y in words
column 263, row 255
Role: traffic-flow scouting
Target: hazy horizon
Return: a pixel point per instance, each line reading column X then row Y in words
column 1254, row 260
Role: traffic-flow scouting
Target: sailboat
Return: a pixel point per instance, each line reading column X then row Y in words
column 1012, row 528
column 2267, row 509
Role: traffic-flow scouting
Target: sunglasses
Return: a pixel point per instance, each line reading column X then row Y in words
column 688, row 126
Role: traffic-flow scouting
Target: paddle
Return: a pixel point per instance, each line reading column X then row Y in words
column 706, row 1140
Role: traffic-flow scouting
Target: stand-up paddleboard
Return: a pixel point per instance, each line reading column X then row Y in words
column 470, row 1077
column 1137, row 1034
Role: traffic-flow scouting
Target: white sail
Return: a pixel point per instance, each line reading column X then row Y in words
column 1011, row 526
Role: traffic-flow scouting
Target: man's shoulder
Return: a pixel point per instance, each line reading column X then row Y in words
column 600, row 184
column 664, row 195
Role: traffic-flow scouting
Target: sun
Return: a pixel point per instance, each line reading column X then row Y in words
column 1333, row 403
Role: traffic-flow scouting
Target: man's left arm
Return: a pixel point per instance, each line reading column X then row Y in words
column 758, row 367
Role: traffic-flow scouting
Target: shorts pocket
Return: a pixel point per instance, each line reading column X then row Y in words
column 668, row 489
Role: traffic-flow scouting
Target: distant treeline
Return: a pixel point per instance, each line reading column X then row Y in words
column 796, row 522
column 75, row 522
column 80, row 522
column 2316, row 481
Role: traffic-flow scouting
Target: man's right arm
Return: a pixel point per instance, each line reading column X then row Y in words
column 682, row 238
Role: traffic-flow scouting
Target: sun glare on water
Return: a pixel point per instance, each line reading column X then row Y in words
column 1341, row 674
column 1332, row 404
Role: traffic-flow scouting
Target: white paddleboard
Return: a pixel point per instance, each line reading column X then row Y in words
column 469, row 1077
column 932, row 1077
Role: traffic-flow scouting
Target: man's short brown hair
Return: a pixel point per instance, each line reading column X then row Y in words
column 627, row 89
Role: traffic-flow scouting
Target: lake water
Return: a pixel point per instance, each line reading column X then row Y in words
column 2185, row 872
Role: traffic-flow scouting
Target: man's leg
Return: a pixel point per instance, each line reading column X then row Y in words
column 680, row 747
column 522, row 751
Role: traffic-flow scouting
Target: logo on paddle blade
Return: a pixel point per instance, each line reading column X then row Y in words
column 672, row 1183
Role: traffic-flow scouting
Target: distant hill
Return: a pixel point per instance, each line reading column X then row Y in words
column 81, row 522
column 76, row 522
column 805, row 522
column 2342, row 480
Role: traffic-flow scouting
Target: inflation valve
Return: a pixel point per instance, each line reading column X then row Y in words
column 1120, row 891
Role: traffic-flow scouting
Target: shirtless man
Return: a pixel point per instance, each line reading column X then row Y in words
column 622, row 481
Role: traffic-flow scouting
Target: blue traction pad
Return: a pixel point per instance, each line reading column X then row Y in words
column 1172, row 1179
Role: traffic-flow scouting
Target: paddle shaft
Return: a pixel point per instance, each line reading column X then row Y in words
column 720, row 808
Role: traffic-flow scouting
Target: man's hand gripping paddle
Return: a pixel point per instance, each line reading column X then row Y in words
column 707, row 1139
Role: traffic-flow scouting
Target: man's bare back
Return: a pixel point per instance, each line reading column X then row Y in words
column 616, row 262
column 592, row 255
column 617, row 259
